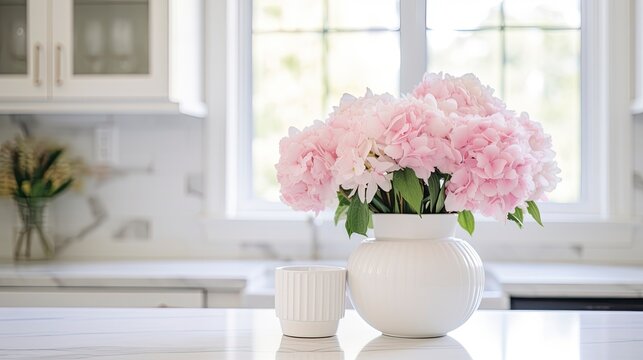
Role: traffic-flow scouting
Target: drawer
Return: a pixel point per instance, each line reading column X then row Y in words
column 600, row 304
column 100, row 297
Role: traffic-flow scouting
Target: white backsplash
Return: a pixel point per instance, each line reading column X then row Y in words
column 143, row 208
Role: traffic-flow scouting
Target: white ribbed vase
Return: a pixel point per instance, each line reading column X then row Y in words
column 310, row 300
column 415, row 279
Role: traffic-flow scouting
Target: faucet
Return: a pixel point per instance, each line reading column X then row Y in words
column 314, row 237
column 267, row 249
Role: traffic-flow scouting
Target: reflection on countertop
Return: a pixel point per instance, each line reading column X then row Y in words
column 255, row 334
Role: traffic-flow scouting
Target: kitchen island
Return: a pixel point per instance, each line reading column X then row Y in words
column 82, row 333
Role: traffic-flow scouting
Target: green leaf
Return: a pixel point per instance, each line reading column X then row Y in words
column 381, row 207
column 17, row 174
column 409, row 187
column 426, row 202
column 343, row 200
column 48, row 187
column 439, row 205
column 46, row 164
column 38, row 189
column 517, row 217
column 467, row 221
column 339, row 212
column 434, row 190
column 533, row 210
column 396, row 204
column 62, row 187
column 357, row 218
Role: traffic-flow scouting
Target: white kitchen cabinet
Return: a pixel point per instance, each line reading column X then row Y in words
column 101, row 297
column 101, row 56
column 23, row 49
column 104, row 48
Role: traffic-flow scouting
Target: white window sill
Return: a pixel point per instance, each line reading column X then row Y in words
column 290, row 227
column 637, row 106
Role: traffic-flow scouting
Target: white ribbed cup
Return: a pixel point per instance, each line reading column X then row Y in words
column 309, row 300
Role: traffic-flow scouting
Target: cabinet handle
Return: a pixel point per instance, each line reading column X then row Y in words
column 36, row 65
column 58, row 75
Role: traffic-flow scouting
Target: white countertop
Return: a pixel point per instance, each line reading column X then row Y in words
column 220, row 274
column 568, row 280
column 255, row 277
column 37, row 333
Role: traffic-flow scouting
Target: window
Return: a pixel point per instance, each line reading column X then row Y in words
column 287, row 62
column 529, row 52
column 305, row 55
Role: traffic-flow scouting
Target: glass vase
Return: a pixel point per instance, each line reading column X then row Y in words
column 32, row 239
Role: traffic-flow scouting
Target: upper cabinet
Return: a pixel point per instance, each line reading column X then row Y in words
column 23, row 52
column 104, row 48
column 101, row 56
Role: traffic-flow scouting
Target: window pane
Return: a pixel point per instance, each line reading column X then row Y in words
column 543, row 78
column 360, row 60
column 13, row 37
column 363, row 14
column 565, row 13
column 273, row 15
column 287, row 91
column 462, row 14
column 303, row 61
column 111, row 38
column 461, row 52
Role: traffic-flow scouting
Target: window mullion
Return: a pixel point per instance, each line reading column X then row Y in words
column 221, row 79
column 325, row 56
column 413, row 46
column 241, row 125
column 503, row 51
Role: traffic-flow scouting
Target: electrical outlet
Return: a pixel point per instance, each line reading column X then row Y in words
column 106, row 145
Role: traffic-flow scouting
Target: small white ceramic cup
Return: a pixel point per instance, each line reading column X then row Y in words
column 309, row 300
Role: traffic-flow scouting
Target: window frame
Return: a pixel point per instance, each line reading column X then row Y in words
column 603, row 218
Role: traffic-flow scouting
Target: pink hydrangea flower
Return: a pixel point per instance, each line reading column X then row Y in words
column 463, row 95
column 545, row 170
column 305, row 167
column 417, row 136
column 497, row 160
column 361, row 165
column 496, row 173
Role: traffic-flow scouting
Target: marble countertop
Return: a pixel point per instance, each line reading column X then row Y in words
column 220, row 274
column 568, row 280
column 73, row 333
column 255, row 277
column 205, row 274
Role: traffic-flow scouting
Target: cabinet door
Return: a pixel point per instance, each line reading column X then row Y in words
column 109, row 49
column 23, row 49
